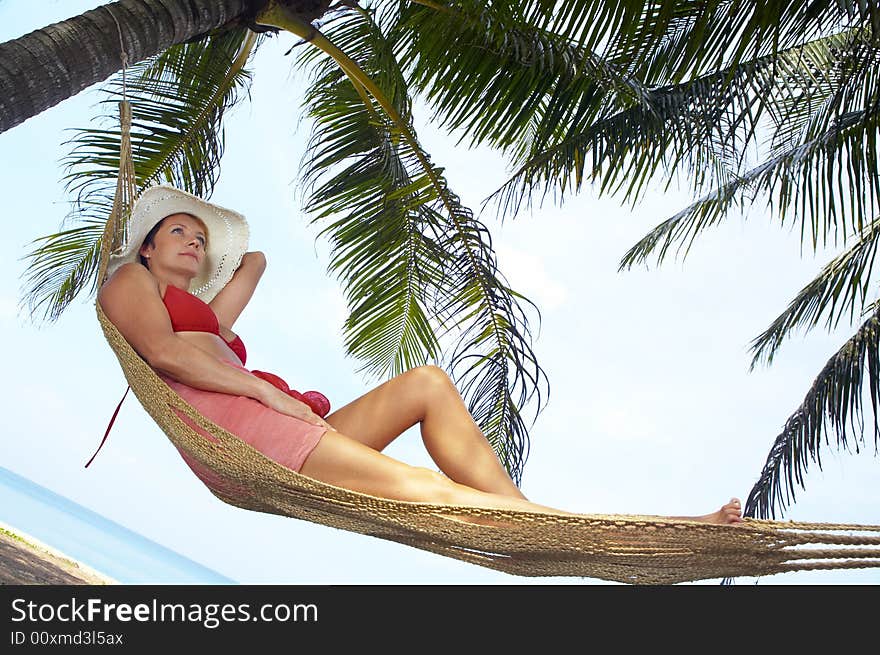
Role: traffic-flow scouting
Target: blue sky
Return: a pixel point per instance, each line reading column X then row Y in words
column 652, row 409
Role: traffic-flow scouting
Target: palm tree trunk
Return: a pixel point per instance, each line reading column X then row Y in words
column 40, row 69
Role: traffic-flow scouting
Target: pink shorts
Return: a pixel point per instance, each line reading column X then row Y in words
column 285, row 439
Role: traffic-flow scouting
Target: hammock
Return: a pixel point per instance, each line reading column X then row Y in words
column 634, row 549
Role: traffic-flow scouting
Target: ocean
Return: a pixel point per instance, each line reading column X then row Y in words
column 88, row 537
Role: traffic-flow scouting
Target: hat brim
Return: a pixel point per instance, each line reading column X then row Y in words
column 228, row 235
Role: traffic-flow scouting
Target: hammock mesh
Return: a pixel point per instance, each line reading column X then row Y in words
column 632, row 549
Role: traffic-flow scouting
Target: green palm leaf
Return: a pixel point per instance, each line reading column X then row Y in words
column 178, row 101
column 701, row 130
column 63, row 264
column 412, row 252
column 672, row 42
column 513, row 73
column 511, row 83
column 803, row 177
column 836, row 398
column 842, row 283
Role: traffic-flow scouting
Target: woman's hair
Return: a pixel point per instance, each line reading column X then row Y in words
column 150, row 239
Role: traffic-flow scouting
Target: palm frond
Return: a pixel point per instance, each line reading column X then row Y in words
column 499, row 68
column 511, row 83
column 700, row 130
column 836, row 398
column 178, row 102
column 63, row 264
column 672, row 42
column 803, row 177
column 844, row 97
column 830, row 180
column 703, row 36
column 694, row 125
column 412, row 253
column 843, row 282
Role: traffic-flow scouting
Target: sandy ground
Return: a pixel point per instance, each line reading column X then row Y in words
column 25, row 560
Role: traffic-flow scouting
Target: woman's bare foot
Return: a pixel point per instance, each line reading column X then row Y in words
column 729, row 513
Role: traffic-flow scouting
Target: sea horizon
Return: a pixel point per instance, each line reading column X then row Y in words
column 105, row 546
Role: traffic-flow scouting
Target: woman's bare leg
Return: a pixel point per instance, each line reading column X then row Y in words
column 457, row 444
column 426, row 395
column 345, row 462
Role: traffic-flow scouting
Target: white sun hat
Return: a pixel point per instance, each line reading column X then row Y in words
column 227, row 235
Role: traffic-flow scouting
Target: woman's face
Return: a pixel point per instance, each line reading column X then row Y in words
column 178, row 245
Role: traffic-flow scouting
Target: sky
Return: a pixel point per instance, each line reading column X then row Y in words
column 652, row 408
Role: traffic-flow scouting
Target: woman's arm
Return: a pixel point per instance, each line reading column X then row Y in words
column 131, row 301
column 196, row 368
column 234, row 297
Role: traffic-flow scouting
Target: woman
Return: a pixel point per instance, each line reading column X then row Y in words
column 175, row 291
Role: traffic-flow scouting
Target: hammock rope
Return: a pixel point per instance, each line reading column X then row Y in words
column 635, row 549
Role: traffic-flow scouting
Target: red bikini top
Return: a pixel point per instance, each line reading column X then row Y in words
column 191, row 314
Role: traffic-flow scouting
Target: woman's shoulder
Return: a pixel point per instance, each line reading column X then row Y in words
column 129, row 278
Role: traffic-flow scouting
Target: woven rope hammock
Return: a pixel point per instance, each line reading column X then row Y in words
column 624, row 548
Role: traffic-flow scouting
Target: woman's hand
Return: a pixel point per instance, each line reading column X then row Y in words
column 276, row 399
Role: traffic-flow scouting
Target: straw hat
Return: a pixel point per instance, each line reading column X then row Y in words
column 227, row 235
